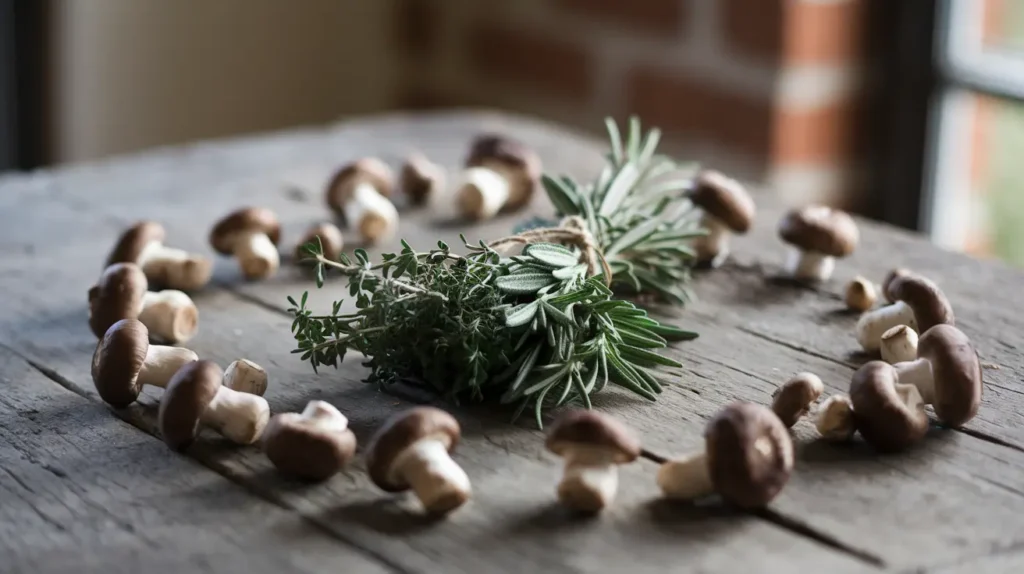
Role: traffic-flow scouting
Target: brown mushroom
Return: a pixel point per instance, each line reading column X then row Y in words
column 891, row 276
column 124, row 361
column 860, row 294
column 726, row 208
column 412, row 450
column 195, row 398
column 359, row 193
column 251, row 235
column 835, row 421
column 331, row 242
column 143, row 245
column 314, row 445
column 918, row 304
column 169, row 315
column 817, row 235
column 246, row 376
column 947, row 373
column 748, row 459
column 421, row 179
column 502, row 174
column 593, row 445
column 791, row 401
column 899, row 344
column 889, row 415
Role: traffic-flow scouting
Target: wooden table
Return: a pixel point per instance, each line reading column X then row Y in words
column 88, row 488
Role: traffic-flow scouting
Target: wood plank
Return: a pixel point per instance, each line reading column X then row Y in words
column 1003, row 563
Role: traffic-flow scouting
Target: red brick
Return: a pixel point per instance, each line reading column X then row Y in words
column 548, row 63
column 796, row 31
column 827, row 134
column 416, row 26
column 659, row 16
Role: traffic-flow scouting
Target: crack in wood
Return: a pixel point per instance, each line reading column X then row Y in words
column 802, row 529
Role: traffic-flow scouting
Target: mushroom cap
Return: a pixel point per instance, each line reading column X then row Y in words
column 367, row 169
column 749, row 454
column 185, row 399
column 924, row 297
column 418, row 177
column 582, row 428
column 488, row 150
column 956, row 371
column 724, row 198
column 245, row 220
column 401, row 431
column 331, row 240
column 117, row 361
column 891, row 276
column 305, row 448
column 792, row 399
column 117, row 295
column 820, row 229
column 889, row 417
column 131, row 243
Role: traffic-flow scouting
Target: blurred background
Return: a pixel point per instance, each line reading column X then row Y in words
column 905, row 111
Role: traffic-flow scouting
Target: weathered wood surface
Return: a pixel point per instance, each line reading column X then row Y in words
column 951, row 502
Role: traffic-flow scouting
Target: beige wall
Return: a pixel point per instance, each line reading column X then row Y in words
column 131, row 74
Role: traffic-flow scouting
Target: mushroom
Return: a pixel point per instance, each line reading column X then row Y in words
column 169, row 315
column 251, row 235
column 412, row 450
column 917, row 303
column 726, row 207
column 246, row 376
column 947, row 373
column 592, row 444
column 792, row 400
column 891, row 276
column 195, row 398
column 331, row 241
column 124, row 361
column 314, row 445
column 835, row 420
column 899, row 344
column 817, row 235
column 420, row 178
column 889, row 415
column 748, row 459
column 143, row 245
column 501, row 173
column 359, row 194
column 860, row 294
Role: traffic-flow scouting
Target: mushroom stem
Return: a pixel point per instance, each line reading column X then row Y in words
column 257, row 254
column 589, row 479
column 437, row 480
column 899, row 344
column 325, row 416
column 246, row 376
column 371, row 213
column 170, row 315
column 686, row 478
column 175, row 268
column 918, row 373
column 873, row 324
column 162, row 362
column 483, row 193
column 809, row 265
column 714, row 246
column 835, row 420
column 241, row 417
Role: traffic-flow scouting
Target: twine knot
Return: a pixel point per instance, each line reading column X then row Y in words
column 572, row 230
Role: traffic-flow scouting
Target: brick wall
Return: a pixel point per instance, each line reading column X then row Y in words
column 767, row 89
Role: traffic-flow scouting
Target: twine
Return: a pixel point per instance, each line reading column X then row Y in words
column 571, row 230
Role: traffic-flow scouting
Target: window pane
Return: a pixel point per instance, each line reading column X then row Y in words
column 1003, row 25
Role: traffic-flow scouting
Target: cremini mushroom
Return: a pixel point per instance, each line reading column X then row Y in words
column 889, row 415
column 120, row 293
column 899, row 344
column 501, row 173
column 195, row 398
column 593, row 445
column 124, row 361
column 891, row 276
column 726, row 208
column 314, row 445
column 331, row 242
column 251, row 235
column 359, row 193
column 835, row 421
column 917, row 303
column 860, row 294
column 143, row 245
column 817, row 235
column 792, row 400
column 748, row 459
column 420, row 179
column 246, row 376
column 412, row 450
column 947, row 373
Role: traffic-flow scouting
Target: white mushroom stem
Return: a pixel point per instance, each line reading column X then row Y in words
column 177, row 267
column 371, row 213
column 325, row 416
column 714, row 246
column 899, row 344
column 873, row 324
column 686, row 478
column 257, row 254
column 246, row 376
column 589, row 479
column 240, row 417
column 809, row 265
column 918, row 373
column 483, row 192
column 170, row 315
column 435, row 478
column 835, row 419
column 162, row 362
